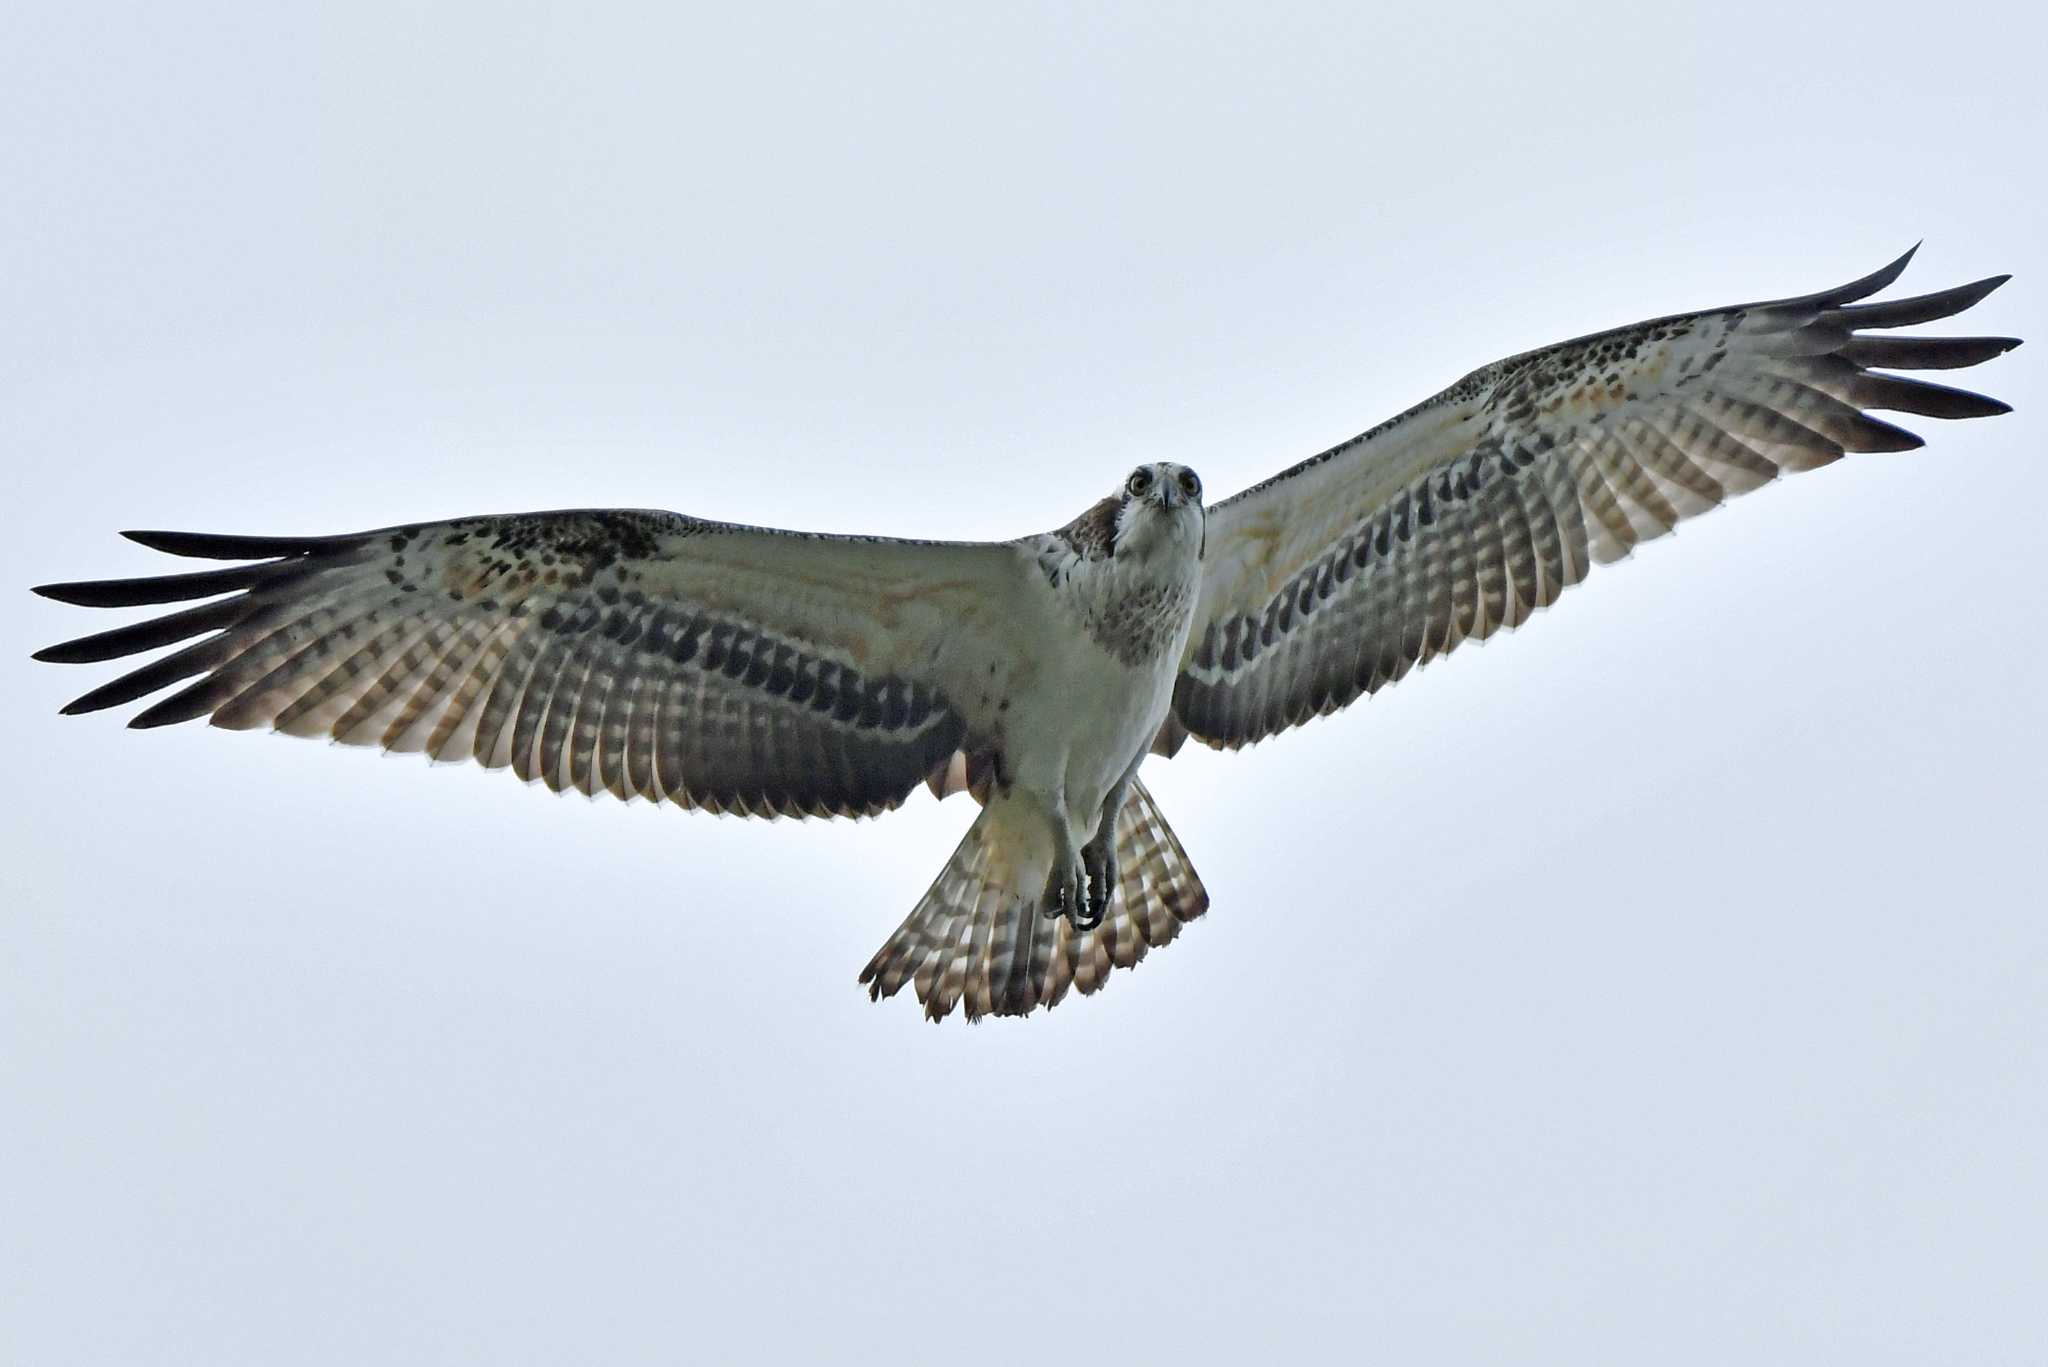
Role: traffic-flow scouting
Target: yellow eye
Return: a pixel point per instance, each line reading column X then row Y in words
column 1139, row 482
column 1190, row 484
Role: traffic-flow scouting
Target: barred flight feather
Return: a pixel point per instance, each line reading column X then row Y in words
column 978, row 940
column 1473, row 510
column 739, row 669
column 584, row 650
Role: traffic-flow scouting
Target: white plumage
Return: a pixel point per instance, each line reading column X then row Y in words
column 762, row 672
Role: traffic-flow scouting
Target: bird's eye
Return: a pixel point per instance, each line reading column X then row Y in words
column 1190, row 484
column 1139, row 482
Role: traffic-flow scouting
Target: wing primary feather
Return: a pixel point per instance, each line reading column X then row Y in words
column 251, row 701
column 543, row 641
column 1738, row 464
column 1920, row 308
column 404, row 655
column 168, row 588
column 150, row 635
column 1922, row 353
column 193, row 659
column 1650, row 515
column 1863, row 287
column 1896, row 394
column 1614, row 535
column 1746, row 418
column 349, row 688
column 212, row 546
column 1519, row 477
column 187, row 704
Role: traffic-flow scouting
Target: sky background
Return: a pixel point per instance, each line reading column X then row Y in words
column 1663, row 981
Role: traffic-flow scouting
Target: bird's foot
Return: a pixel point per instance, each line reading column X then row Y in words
column 1067, row 893
column 1098, row 857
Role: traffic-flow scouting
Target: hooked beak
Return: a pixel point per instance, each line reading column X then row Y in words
column 1170, row 496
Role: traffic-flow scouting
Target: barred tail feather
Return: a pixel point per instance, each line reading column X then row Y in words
column 977, row 938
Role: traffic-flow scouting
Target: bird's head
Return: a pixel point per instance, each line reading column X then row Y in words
column 1159, row 507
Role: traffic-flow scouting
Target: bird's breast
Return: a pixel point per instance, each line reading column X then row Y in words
column 1139, row 623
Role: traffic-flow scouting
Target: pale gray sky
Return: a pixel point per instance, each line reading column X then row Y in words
column 1663, row 982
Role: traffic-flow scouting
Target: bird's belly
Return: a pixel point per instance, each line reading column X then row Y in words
column 1088, row 729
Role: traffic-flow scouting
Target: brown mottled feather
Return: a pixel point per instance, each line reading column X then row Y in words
column 1536, row 468
column 635, row 653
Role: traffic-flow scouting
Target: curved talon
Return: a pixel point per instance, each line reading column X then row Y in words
column 1053, row 904
column 1066, row 893
column 1100, row 863
column 1084, row 888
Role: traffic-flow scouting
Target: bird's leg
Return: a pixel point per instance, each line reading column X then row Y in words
column 1066, row 885
column 1098, row 856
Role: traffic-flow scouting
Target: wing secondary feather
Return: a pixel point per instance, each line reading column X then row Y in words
column 1469, row 512
column 637, row 653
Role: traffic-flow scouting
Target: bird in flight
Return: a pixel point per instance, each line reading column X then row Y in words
column 773, row 673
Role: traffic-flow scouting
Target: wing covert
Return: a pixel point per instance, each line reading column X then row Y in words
column 638, row 653
column 1465, row 514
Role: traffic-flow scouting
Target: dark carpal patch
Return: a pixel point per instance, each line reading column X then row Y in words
column 1092, row 535
column 1571, row 456
column 541, row 647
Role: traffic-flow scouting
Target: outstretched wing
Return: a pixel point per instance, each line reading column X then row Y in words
column 1470, row 511
column 638, row 653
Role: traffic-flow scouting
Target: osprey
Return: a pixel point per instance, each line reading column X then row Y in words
column 773, row 673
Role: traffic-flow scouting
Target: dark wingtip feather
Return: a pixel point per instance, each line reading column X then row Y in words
column 151, row 677
column 79, row 652
column 1892, row 352
column 1875, row 434
column 210, row 546
column 1920, row 308
column 161, row 588
column 150, row 635
column 187, row 703
column 1869, row 284
column 1898, row 394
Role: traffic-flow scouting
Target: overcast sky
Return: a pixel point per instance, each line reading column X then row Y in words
column 1663, row 981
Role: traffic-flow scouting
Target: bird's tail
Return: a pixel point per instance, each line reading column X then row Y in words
column 978, row 936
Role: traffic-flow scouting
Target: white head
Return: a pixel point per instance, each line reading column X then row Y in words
column 1160, row 509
